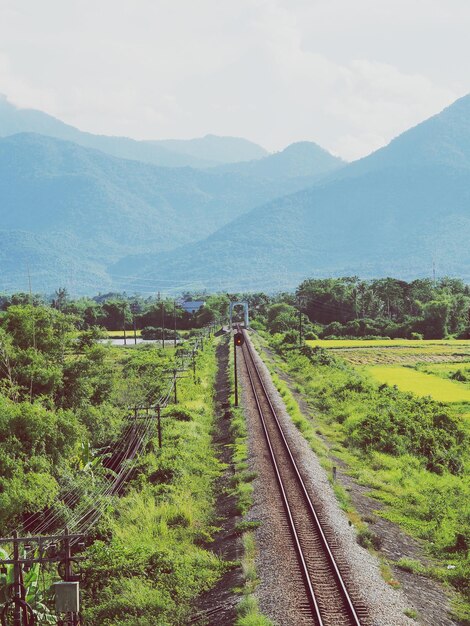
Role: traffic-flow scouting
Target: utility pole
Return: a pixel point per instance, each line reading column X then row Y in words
column 147, row 415
column 135, row 310
column 174, row 319
column 124, row 323
column 193, row 355
column 300, row 303
column 159, row 426
column 163, row 324
column 175, row 375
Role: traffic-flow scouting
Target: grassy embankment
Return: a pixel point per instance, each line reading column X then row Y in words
column 153, row 562
column 412, row 452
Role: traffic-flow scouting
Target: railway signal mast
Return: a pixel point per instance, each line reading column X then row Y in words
column 238, row 340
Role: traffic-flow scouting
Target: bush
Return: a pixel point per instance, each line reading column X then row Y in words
column 399, row 423
column 156, row 333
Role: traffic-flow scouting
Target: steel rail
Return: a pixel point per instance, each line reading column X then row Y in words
column 352, row 614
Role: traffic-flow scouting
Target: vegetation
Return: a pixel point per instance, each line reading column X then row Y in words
column 153, row 563
column 412, row 452
column 63, row 402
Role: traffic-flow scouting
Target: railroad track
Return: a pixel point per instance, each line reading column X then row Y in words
column 327, row 600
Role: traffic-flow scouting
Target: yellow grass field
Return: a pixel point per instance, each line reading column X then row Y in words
column 120, row 333
column 420, row 383
column 397, row 351
column 388, row 343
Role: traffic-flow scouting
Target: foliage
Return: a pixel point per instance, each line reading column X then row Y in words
column 387, row 307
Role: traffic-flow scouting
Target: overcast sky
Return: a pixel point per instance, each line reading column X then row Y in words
column 348, row 74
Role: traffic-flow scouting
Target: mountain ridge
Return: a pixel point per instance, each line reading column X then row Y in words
column 110, row 208
column 14, row 120
column 389, row 214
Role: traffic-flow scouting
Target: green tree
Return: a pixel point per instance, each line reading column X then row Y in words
column 436, row 318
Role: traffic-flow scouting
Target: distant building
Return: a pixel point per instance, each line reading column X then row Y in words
column 191, row 306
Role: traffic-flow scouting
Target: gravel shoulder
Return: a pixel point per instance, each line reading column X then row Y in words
column 276, row 592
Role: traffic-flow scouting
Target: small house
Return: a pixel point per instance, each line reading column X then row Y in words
column 192, row 306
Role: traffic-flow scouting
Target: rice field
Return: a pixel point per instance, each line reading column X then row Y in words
column 397, row 351
column 390, row 343
column 421, row 383
column 422, row 367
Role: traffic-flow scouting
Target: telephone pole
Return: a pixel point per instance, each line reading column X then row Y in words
column 174, row 319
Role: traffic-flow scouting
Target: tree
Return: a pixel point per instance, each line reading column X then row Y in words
column 117, row 314
column 61, row 298
column 436, row 318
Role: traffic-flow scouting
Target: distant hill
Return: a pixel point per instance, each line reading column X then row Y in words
column 67, row 206
column 48, row 260
column 301, row 159
column 200, row 153
column 215, row 149
column 391, row 213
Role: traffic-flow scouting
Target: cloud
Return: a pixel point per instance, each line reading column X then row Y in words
column 347, row 75
column 20, row 91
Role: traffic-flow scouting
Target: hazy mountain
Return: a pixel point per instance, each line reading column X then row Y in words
column 48, row 260
column 205, row 152
column 215, row 149
column 388, row 214
column 106, row 208
column 301, row 159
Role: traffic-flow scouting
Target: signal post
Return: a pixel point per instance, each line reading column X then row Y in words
column 238, row 340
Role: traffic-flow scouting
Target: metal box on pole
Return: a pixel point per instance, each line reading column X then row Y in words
column 67, row 597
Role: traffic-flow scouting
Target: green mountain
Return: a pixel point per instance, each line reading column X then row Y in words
column 69, row 207
column 200, row 153
column 391, row 213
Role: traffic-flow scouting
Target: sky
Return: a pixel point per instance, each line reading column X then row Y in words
column 347, row 74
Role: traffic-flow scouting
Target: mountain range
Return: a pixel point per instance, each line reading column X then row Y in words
column 392, row 213
column 90, row 220
column 203, row 152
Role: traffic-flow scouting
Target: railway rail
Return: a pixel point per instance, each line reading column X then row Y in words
column 327, row 599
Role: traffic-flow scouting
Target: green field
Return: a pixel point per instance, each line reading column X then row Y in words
column 420, row 383
column 422, row 367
